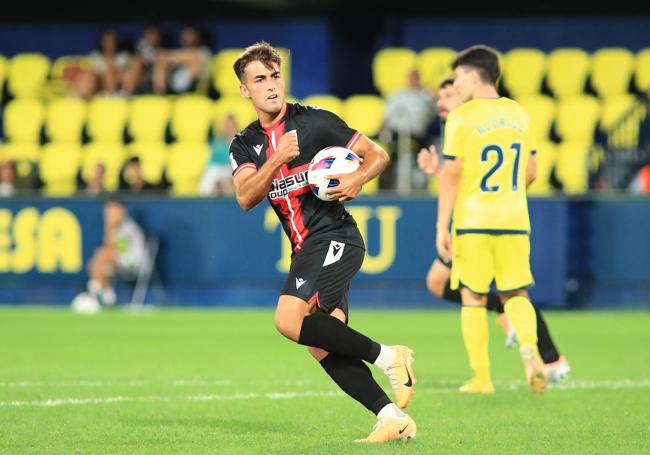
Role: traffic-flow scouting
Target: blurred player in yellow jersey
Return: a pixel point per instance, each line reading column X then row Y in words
column 490, row 160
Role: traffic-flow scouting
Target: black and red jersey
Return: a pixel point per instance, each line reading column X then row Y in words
column 301, row 213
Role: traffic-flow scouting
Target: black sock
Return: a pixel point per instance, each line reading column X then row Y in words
column 451, row 295
column 354, row 378
column 545, row 344
column 494, row 303
column 323, row 331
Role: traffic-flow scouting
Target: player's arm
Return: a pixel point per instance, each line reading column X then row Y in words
column 531, row 170
column 252, row 185
column 375, row 159
column 449, row 183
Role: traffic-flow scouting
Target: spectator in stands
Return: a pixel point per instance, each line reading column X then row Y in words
column 121, row 252
column 7, row 178
column 131, row 177
column 217, row 178
column 109, row 64
column 410, row 111
column 180, row 70
column 95, row 186
column 139, row 76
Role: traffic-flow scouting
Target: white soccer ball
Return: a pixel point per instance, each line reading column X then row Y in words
column 85, row 303
column 331, row 160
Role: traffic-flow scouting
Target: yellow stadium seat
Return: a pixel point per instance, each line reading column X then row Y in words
column 106, row 118
column 65, row 120
column 239, row 107
column 364, row 113
column 153, row 156
column 391, row 67
column 545, row 159
column 642, row 70
column 27, row 74
column 191, row 118
column 23, row 119
column 573, row 166
column 59, row 164
column 224, row 78
column 523, row 71
column 148, row 117
column 620, row 119
column 577, row 118
column 328, row 102
column 21, row 151
column 611, row 71
column 187, row 161
column 541, row 110
column 434, row 65
column 111, row 155
column 567, row 71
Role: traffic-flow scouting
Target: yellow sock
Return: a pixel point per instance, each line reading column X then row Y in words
column 521, row 315
column 474, row 325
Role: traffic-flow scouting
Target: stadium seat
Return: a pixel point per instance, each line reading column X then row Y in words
column 611, row 71
column 153, row 156
column 65, row 120
column 59, row 164
column 390, row 69
column 434, row 65
column 111, row 155
column 573, row 166
column 541, row 110
column 27, row 74
column 620, row 119
column 328, row 102
column 21, row 152
column 148, row 117
column 185, row 167
column 23, row 119
column 545, row 158
column 237, row 106
column 224, row 79
column 364, row 113
column 523, row 71
column 642, row 70
column 191, row 118
column 567, row 71
column 107, row 118
column 577, row 118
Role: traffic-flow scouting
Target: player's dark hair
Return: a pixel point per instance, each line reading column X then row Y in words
column 484, row 59
column 445, row 83
column 113, row 199
column 258, row 52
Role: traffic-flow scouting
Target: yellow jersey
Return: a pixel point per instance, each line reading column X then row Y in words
column 491, row 138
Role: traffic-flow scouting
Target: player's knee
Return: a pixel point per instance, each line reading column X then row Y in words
column 317, row 353
column 436, row 285
column 505, row 296
column 287, row 325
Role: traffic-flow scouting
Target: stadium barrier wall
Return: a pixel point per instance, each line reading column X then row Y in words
column 213, row 253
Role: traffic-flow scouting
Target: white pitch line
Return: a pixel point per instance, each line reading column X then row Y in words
column 501, row 387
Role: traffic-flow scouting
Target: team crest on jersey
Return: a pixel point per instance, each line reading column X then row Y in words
column 281, row 187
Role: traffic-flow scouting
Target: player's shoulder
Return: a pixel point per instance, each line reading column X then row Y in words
column 313, row 112
column 250, row 134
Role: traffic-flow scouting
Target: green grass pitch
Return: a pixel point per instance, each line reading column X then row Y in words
column 224, row 381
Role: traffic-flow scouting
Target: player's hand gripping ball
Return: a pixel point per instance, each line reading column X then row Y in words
column 330, row 161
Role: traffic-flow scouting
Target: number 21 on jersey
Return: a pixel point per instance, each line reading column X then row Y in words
column 494, row 153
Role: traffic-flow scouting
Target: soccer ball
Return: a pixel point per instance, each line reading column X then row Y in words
column 85, row 303
column 331, row 160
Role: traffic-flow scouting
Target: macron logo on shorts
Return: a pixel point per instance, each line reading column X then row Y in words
column 300, row 282
column 334, row 253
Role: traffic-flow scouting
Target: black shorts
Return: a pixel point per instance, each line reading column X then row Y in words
column 321, row 272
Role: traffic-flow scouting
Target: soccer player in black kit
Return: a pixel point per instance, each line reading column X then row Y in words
column 270, row 158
